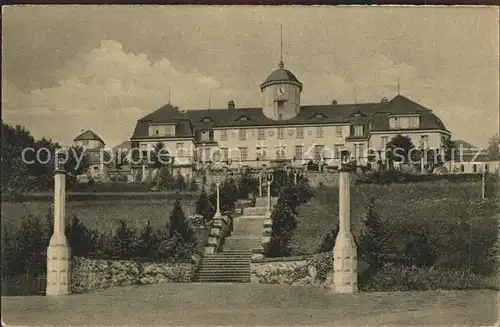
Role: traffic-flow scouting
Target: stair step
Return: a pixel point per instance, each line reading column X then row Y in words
column 238, row 280
column 225, row 273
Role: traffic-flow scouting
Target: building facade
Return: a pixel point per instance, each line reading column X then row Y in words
column 98, row 158
column 284, row 132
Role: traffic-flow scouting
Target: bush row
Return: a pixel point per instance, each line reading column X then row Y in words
column 406, row 255
column 24, row 249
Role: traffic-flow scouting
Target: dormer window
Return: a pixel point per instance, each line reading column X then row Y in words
column 358, row 130
column 242, row 118
column 206, row 120
column 319, row 116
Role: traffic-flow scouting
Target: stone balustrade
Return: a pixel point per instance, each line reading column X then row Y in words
column 219, row 231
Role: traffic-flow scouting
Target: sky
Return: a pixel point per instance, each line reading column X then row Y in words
column 71, row 68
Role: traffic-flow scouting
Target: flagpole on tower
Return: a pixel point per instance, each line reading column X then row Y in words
column 398, row 83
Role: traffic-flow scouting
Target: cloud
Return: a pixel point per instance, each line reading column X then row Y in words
column 106, row 90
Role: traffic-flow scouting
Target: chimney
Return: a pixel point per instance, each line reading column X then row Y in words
column 230, row 104
column 334, row 101
column 384, row 100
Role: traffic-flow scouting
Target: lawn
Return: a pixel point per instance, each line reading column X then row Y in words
column 440, row 204
column 103, row 214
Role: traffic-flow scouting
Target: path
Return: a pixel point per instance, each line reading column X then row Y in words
column 251, row 304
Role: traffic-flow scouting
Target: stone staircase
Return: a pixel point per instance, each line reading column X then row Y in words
column 232, row 264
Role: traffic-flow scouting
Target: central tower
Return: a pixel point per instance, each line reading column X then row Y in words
column 281, row 92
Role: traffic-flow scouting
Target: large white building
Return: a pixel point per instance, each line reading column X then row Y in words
column 283, row 131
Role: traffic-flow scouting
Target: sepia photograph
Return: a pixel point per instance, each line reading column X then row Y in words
column 216, row 165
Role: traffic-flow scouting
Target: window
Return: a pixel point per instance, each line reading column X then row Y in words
column 225, row 153
column 337, row 150
column 300, row 132
column 170, row 130
column 280, row 154
column 261, row 153
column 474, row 168
column 319, row 131
column 462, row 168
column 319, row 116
column 384, row 142
column 424, row 141
column 414, row 122
column 299, row 152
column 281, row 107
column 262, row 134
column 223, row 135
column 318, row 151
column 205, row 135
column 338, row 131
column 206, row 120
column 243, row 118
column 86, row 142
column 358, row 130
column 361, row 149
column 243, row 134
column 157, row 132
column 280, row 133
column 243, row 153
column 486, row 168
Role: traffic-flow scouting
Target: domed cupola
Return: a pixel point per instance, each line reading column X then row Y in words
column 281, row 94
column 280, row 76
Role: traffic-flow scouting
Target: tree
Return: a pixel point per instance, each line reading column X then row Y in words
column 203, row 206
column 400, row 149
column 125, row 241
column 180, row 233
column 248, row 184
column 147, row 243
column 373, row 243
column 328, row 241
column 79, row 238
column 493, row 147
column 284, row 223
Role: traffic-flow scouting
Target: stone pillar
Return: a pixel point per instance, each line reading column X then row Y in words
column 58, row 252
column 345, row 264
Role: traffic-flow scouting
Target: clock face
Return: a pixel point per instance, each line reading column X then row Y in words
column 281, row 91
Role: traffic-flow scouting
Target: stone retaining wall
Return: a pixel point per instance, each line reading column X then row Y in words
column 315, row 178
column 300, row 270
column 93, row 274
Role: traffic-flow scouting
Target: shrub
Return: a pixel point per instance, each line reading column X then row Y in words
column 248, row 184
column 79, row 238
column 284, row 223
column 328, row 241
column 373, row 241
column 392, row 277
column 125, row 241
column 181, row 237
column 203, row 205
column 147, row 245
column 31, row 246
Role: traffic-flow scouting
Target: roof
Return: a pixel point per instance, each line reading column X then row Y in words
column 463, row 144
column 123, row 145
column 364, row 113
column 281, row 75
column 88, row 135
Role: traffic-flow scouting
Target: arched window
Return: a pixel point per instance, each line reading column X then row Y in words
column 462, row 168
column 486, row 168
column 474, row 168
